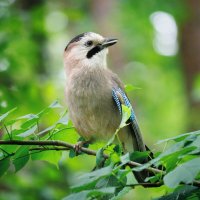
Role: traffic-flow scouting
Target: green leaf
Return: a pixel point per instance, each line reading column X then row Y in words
column 121, row 175
column 29, row 123
column 179, row 137
column 21, row 157
column 29, row 116
column 129, row 87
column 55, row 104
column 28, row 132
column 125, row 158
column 138, row 156
column 50, row 156
column 2, row 117
column 43, row 132
column 154, row 179
column 11, row 122
column 72, row 153
column 185, row 173
column 91, row 194
column 4, row 165
column 31, row 119
column 121, row 193
column 126, row 113
column 77, row 196
column 176, row 150
column 67, row 134
column 99, row 157
column 88, row 180
column 185, row 192
column 111, row 140
column 114, row 157
column 98, row 173
column 64, row 119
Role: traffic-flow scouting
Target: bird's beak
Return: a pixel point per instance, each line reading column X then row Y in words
column 109, row 42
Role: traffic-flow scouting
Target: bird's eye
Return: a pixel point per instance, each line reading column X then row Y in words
column 89, row 43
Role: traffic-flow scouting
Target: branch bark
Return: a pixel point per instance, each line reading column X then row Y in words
column 64, row 146
column 68, row 146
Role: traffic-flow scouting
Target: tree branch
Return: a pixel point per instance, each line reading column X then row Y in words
column 68, row 146
column 158, row 184
column 64, row 146
column 56, row 143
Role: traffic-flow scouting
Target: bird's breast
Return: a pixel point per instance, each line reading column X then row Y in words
column 90, row 104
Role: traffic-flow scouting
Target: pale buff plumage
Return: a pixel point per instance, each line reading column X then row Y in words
column 89, row 96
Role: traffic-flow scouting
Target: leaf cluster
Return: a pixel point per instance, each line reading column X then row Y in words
column 112, row 176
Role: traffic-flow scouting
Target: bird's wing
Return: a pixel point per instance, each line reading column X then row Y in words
column 132, row 128
column 120, row 98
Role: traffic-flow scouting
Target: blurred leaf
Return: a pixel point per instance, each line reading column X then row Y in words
column 121, row 193
column 91, row 194
column 126, row 113
column 185, row 192
column 11, row 122
column 41, row 133
column 21, row 157
column 29, row 116
column 176, row 150
column 111, row 140
column 31, row 119
column 99, row 157
column 2, row 117
column 64, row 119
column 67, row 134
column 154, row 179
column 179, row 137
column 185, row 173
column 88, row 180
column 29, row 123
column 114, row 157
column 72, row 153
column 50, row 156
column 55, row 104
column 4, row 165
column 28, row 132
column 129, row 87
column 77, row 196
column 138, row 156
column 97, row 173
column 125, row 158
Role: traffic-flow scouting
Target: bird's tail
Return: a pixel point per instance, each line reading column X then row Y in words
column 134, row 142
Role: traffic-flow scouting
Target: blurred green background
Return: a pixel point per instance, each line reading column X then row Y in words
column 158, row 52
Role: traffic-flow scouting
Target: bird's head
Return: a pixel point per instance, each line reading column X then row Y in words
column 87, row 49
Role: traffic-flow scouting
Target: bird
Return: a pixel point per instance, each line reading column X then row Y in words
column 95, row 94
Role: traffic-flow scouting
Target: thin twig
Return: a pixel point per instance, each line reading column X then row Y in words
column 7, row 132
column 50, row 149
column 158, row 184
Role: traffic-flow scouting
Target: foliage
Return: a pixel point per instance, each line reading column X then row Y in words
column 112, row 178
column 33, row 35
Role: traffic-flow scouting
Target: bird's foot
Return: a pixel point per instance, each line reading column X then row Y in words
column 79, row 145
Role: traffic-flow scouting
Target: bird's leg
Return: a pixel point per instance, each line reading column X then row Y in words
column 80, row 144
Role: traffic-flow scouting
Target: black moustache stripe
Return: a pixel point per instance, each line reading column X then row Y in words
column 94, row 51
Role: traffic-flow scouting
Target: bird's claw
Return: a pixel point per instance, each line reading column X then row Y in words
column 78, row 146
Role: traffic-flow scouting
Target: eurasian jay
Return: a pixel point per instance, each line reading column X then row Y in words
column 95, row 94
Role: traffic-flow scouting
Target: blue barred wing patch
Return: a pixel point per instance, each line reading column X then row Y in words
column 115, row 94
